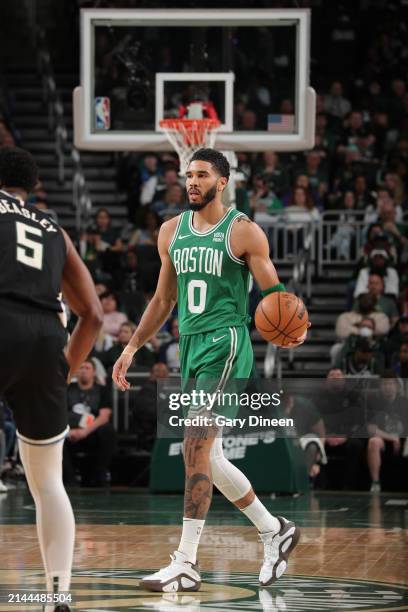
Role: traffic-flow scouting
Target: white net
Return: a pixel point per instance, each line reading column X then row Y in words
column 188, row 135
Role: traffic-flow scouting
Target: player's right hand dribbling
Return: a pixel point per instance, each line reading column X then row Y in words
column 119, row 371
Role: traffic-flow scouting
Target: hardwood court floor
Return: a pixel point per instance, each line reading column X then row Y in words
column 353, row 554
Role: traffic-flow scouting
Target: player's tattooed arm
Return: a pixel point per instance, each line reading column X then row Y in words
column 198, row 494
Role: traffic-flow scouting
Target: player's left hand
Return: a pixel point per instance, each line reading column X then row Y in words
column 119, row 372
column 299, row 341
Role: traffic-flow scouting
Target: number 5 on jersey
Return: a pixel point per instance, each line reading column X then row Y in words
column 196, row 306
column 29, row 252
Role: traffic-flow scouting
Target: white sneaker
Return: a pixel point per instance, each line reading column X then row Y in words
column 277, row 548
column 3, row 488
column 375, row 487
column 180, row 575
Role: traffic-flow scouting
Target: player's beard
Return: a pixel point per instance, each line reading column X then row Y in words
column 206, row 199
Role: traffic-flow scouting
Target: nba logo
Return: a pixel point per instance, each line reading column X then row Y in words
column 102, row 113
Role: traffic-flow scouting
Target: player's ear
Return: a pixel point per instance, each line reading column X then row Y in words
column 222, row 183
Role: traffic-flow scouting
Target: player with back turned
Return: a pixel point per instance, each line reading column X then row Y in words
column 207, row 254
column 38, row 260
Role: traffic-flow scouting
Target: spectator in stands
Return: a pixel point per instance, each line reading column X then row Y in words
column 169, row 352
column 388, row 423
column 148, row 231
column 335, row 103
column 302, row 180
column 145, row 413
column 149, row 167
column 379, row 264
column 107, row 237
column 385, row 210
column 132, row 276
column 398, row 232
column 356, row 137
column 397, row 335
column 90, row 410
column 273, row 172
column 361, row 361
column 395, row 186
column 144, row 358
column 387, row 305
column 261, row 198
column 341, row 407
column 401, row 366
column 317, row 173
column 376, row 239
column 155, row 187
column 286, row 107
column 325, row 138
column 366, row 329
column 396, row 103
column 248, row 120
column 362, row 194
column 112, row 317
column 343, row 237
column 302, row 203
column 173, row 203
column 366, row 306
column 309, row 429
column 100, row 245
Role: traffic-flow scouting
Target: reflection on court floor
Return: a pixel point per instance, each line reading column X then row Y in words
column 353, row 554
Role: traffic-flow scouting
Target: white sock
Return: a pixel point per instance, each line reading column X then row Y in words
column 190, row 538
column 55, row 519
column 263, row 520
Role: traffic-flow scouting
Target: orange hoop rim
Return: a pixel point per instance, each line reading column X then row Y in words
column 176, row 123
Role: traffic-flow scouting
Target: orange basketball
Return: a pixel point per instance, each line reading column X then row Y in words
column 281, row 318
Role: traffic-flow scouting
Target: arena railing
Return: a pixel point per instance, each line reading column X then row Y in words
column 341, row 237
column 136, row 380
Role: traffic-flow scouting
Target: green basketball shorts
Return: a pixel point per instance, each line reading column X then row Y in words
column 217, row 362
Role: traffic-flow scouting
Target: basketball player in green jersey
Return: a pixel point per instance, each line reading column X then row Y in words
column 207, row 254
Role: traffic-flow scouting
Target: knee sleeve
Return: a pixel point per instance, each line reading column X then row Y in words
column 228, row 479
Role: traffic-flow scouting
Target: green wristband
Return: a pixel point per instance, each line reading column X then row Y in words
column 278, row 287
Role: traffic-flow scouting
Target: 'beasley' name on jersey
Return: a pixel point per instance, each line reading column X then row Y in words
column 14, row 209
column 198, row 259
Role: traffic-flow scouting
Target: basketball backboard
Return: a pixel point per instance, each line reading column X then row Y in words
column 138, row 66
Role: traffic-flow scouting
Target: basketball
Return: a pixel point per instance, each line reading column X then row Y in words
column 281, row 318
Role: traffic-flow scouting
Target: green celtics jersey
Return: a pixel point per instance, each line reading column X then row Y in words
column 212, row 283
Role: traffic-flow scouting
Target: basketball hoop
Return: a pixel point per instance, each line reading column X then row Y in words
column 188, row 135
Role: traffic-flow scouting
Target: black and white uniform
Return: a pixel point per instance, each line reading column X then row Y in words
column 33, row 368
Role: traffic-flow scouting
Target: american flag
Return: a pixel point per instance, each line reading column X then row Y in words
column 281, row 123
